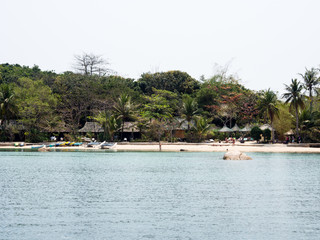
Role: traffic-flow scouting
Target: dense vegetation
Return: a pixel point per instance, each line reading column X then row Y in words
column 35, row 104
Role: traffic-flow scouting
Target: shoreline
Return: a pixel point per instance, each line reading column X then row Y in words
column 185, row 147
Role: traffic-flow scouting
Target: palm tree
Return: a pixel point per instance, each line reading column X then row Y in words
column 189, row 109
column 201, row 127
column 123, row 110
column 109, row 123
column 8, row 108
column 295, row 97
column 268, row 104
column 310, row 83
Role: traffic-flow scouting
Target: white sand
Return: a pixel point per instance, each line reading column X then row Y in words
column 201, row 147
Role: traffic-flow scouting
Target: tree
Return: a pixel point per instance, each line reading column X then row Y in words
column 256, row 133
column 8, row 108
column 189, row 109
column 109, row 123
column 123, row 109
column 310, row 125
column 268, row 105
column 157, row 107
column 266, row 134
column 201, row 127
column 311, row 81
column 78, row 98
column 295, row 98
column 90, row 64
column 174, row 81
column 36, row 104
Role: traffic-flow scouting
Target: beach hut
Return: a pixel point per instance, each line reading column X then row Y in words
column 92, row 127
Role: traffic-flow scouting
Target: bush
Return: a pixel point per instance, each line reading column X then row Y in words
column 267, row 134
column 35, row 136
column 256, row 133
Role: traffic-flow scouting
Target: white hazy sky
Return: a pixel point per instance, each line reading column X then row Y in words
column 267, row 41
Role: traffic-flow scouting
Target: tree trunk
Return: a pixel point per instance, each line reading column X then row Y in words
column 311, row 100
column 297, row 121
column 122, row 128
column 272, row 131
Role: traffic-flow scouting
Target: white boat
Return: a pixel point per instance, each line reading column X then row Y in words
column 107, row 145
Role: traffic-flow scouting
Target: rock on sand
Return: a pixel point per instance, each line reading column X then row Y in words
column 236, row 155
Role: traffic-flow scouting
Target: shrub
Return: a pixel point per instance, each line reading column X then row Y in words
column 256, row 133
column 267, row 134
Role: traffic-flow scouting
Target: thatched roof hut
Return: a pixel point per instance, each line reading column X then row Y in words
column 92, row 127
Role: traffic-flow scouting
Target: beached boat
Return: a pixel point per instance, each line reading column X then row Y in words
column 108, row 145
column 93, row 144
column 77, row 144
column 37, row 147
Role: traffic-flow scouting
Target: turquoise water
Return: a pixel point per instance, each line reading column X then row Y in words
column 125, row 195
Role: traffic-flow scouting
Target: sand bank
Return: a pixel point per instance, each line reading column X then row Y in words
column 192, row 147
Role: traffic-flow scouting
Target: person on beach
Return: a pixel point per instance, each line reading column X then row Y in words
column 287, row 140
column 299, row 139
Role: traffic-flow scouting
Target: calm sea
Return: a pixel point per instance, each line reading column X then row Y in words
column 134, row 195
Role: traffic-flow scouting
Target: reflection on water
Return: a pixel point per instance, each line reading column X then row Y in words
column 102, row 195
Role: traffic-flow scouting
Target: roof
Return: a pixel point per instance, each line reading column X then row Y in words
column 130, row 127
column 247, row 128
column 235, row 128
column 225, row 129
column 266, row 126
column 93, row 127
column 290, row 132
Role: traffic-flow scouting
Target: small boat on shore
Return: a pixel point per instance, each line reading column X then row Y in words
column 37, row 147
column 108, row 145
column 93, row 144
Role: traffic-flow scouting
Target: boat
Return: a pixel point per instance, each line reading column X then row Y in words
column 108, row 145
column 77, row 144
column 37, row 147
column 93, row 144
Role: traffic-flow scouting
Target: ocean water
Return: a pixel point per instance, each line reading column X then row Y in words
column 152, row 195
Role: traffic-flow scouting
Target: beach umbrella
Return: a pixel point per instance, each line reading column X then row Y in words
column 246, row 129
column 225, row 129
column 235, row 128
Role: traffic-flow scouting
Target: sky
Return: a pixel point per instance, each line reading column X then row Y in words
column 266, row 43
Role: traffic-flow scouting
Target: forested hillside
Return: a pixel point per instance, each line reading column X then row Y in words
column 36, row 104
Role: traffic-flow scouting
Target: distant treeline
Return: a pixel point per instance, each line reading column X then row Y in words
column 36, row 103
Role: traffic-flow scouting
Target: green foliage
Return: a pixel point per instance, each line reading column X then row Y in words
column 156, row 130
column 157, row 107
column 189, row 109
column 8, row 108
column 35, row 136
column 35, row 103
column 110, row 124
column 124, row 110
column 44, row 101
column 173, row 81
column 283, row 123
column 267, row 134
column 200, row 130
column 11, row 73
column 295, row 98
column 310, row 125
column 311, row 81
column 256, row 133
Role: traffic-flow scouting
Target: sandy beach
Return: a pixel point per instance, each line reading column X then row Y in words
column 190, row 147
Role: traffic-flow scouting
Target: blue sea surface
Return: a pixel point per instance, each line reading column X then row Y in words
column 158, row 195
